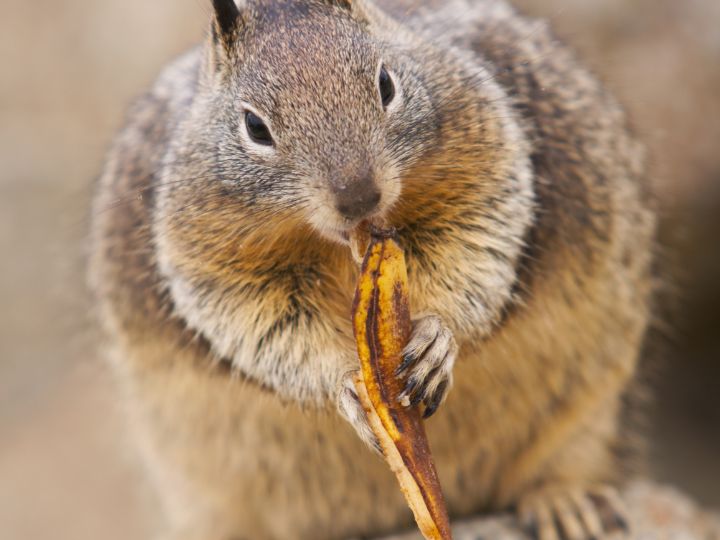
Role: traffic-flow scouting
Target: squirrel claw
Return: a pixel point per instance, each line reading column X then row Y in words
column 428, row 360
column 565, row 513
column 350, row 408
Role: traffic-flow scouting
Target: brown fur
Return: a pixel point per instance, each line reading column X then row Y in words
column 520, row 197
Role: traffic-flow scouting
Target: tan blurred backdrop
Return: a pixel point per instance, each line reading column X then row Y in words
column 68, row 70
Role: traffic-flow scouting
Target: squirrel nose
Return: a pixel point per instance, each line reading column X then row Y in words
column 358, row 198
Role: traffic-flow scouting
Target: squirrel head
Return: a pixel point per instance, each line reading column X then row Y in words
column 308, row 105
column 310, row 116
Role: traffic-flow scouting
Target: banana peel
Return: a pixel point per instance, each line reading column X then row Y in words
column 381, row 323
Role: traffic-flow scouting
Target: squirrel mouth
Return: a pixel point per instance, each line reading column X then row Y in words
column 358, row 238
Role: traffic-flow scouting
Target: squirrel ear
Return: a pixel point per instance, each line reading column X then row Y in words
column 345, row 4
column 367, row 11
column 228, row 18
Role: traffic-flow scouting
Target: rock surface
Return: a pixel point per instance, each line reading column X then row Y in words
column 656, row 513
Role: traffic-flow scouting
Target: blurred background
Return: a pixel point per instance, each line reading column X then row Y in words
column 68, row 71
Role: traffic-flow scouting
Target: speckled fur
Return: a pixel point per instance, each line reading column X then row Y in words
column 225, row 288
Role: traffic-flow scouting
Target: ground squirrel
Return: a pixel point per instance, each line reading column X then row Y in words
column 221, row 265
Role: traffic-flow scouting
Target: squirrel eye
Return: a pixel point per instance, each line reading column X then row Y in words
column 387, row 88
column 257, row 129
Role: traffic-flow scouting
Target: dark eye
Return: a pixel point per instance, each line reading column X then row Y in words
column 257, row 129
column 387, row 88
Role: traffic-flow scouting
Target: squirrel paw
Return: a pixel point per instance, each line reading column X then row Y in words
column 565, row 513
column 428, row 361
column 350, row 408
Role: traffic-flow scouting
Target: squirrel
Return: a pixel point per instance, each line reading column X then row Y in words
column 221, row 267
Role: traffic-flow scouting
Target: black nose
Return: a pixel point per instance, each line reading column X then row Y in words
column 357, row 199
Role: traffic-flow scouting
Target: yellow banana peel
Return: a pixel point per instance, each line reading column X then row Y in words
column 381, row 322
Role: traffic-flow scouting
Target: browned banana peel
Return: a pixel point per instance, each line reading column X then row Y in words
column 381, row 321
